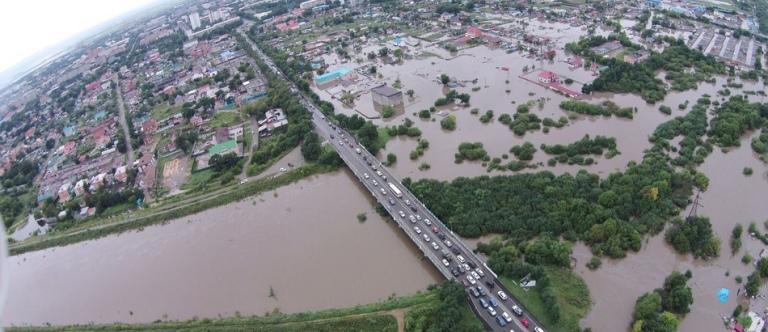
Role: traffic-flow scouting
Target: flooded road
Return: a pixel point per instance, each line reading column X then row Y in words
column 304, row 244
column 731, row 198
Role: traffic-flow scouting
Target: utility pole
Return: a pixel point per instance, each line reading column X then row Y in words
column 694, row 208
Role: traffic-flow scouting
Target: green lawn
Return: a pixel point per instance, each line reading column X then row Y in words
column 198, row 178
column 572, row 295
column 163, row 111
column 225, row 119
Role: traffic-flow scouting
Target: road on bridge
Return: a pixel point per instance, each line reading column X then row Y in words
column 438, row 243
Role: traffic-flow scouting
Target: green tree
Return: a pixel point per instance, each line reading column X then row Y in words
column 444, row 79
column 753, row 284
column 311, row 147
column 647, row 306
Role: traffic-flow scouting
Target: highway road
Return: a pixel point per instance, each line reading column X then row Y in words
column 436, row 241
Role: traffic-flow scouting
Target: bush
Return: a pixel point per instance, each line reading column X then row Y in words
column 594, row 263
column 388, row 112
column 747, row 171
column 448, row 123
column 362, row 217
column 471, row 151
column 665, row 109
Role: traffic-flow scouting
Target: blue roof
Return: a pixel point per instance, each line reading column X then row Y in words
column 332, row 75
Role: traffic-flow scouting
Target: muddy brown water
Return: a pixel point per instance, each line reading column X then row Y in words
column 302, row 240
column 731, row 198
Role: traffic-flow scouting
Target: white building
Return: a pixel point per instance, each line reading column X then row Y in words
column 309, row 4
column 194, row 20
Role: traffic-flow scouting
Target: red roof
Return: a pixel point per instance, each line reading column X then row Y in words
column 474, row 32
column 547, row 75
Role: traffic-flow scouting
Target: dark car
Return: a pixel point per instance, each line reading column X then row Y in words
column 455, row 272
column 474, row 292
column 413, row 208
column 484, row 303
column 391, row 201
column 472, row 265
column 502, row 322
column 455, row 251
column 490, row 284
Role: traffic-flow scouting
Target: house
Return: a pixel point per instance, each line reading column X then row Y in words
column 607, row 47
column 384, row 96
column 121, row 174
column 149, row 127
column 547, row 77
column 273, row 119
column 196, row 120
column 80, row 187
column 63, row 193
column 636, row 57
column 575, row 62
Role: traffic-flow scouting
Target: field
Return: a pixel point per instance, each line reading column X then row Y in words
column 225, row 119
column 572, row 295
column 384, row 316
column 163, row 111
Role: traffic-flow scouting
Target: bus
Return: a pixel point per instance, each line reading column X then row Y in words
column 396, row 191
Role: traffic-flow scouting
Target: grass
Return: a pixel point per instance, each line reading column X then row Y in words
column 225, row 119
column 572, row 295
column 198, row 178
column 163, row 111
column 372, row 317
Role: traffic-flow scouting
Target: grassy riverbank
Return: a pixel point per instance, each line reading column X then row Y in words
column 165, row 211
column 570, row 291
column 413, row 313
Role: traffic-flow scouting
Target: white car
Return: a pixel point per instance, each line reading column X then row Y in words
column 445, row 262
column 418, row 217
column 471, row 280
column 383, row 192
column 480, row 272
column 401, row 213
column 474, row 275
column 413, row 220
column 435, row 246
column 417, row 230
column 375, row 183
column 365, row 175
column 448, row 243
column 426, row 221
column 538, row 329
column 426, row 238
column 502, row 296
column 460, row 258
column 491, row 311
column 507, row 316
column 466, row 267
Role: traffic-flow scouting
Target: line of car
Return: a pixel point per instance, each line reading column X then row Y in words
column 462, row 266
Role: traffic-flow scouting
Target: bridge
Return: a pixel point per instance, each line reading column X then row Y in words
column 437, row 242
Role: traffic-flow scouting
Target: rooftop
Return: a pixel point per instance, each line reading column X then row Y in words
column 385, row 90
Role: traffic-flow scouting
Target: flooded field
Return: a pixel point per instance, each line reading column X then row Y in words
column 731, row 198
column 492, row 92
column 305, row 245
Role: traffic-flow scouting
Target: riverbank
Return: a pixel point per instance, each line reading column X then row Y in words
column 167, row 210
column 388, row 315
column 253, row 256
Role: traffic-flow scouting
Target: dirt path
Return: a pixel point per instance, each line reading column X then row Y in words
column 123, row 121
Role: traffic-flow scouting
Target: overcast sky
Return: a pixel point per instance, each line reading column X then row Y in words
column 29, row 26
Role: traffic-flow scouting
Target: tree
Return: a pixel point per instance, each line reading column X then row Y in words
column 753, row 284
column 224, row 162
column 387, row 111
column 311, row 147
column 383, row 52
column 676, row 295
column 391, row 159
column 647, row 306
column 50, row 143
column 398, row 53
column 445, row 79
column 448, row 123
column 409, row 93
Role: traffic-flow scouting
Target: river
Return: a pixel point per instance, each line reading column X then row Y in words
column 303, row 240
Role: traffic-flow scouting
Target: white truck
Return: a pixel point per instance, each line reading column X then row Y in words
column 395, row 190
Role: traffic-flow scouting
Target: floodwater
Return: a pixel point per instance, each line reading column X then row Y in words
column 300, row 241
column 485, row 65
column 731, row 198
